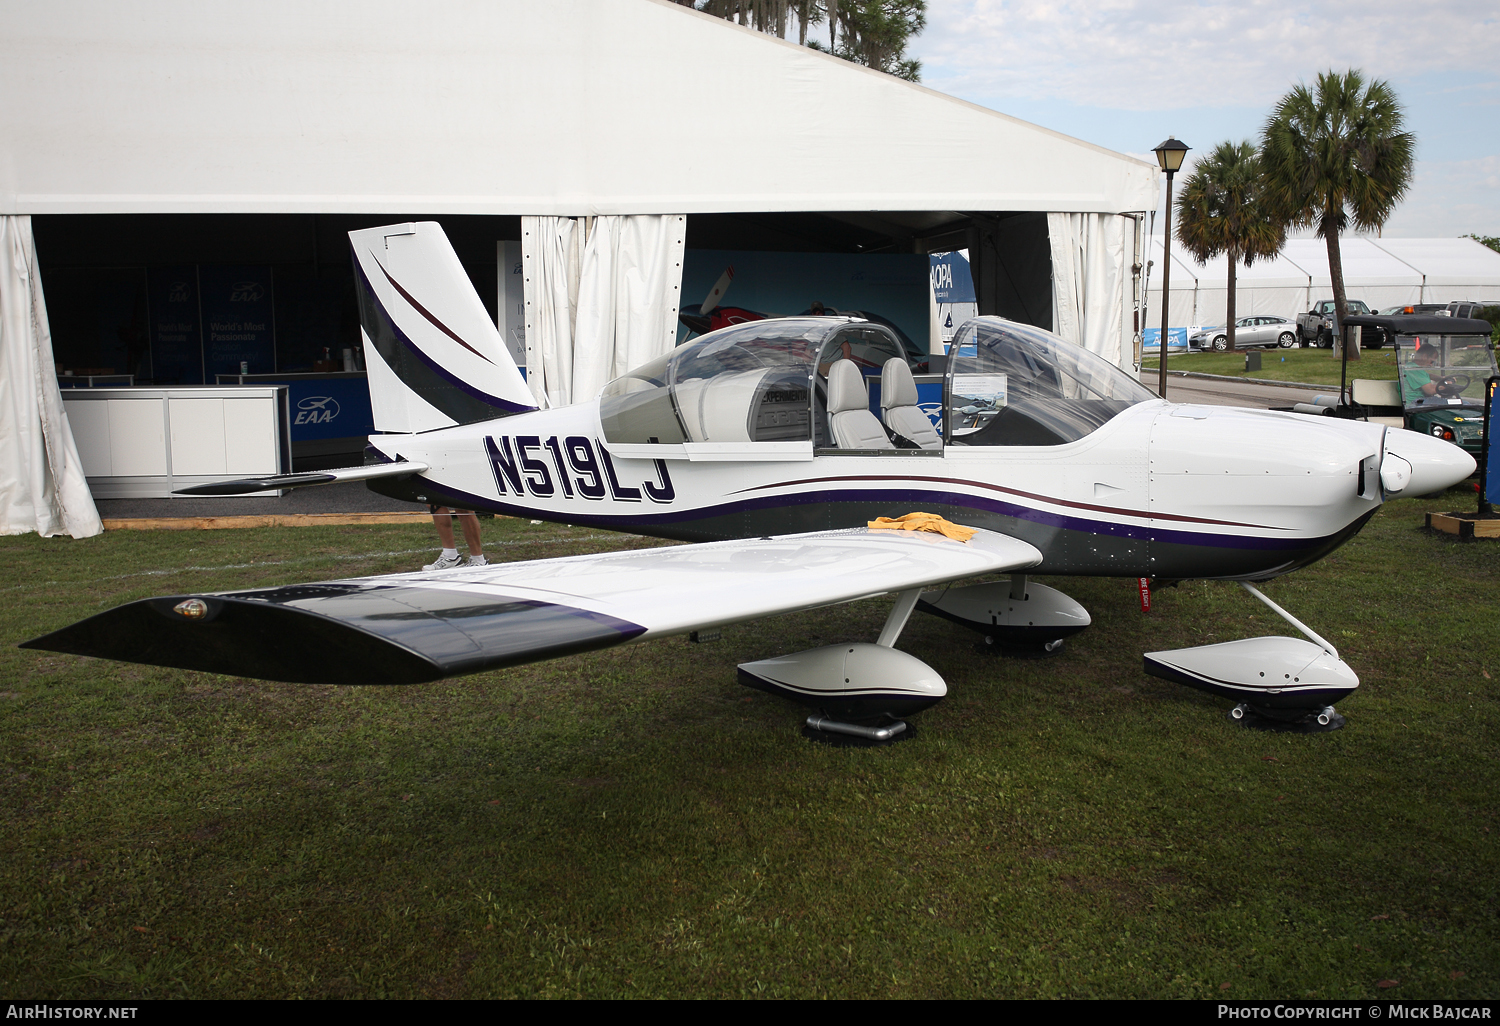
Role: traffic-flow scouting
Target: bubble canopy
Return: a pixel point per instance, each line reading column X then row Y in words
column 747, row 383
column 1007, row 384
column 1014, row 384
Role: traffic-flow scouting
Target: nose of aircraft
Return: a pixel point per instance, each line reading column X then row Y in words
column 1433, row 463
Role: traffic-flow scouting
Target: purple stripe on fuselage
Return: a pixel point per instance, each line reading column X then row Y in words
column 1049, row 500
column 916, row 497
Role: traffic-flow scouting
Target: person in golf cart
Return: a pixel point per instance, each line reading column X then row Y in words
column 1442, row 364
column 1416, row 380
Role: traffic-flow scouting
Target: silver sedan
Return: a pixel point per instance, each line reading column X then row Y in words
column 1249, row 332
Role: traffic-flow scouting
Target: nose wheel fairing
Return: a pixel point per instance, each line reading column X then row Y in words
column 1280, row 683
column 1275, row 674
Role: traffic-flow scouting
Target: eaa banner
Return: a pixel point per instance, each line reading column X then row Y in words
column 237, row 319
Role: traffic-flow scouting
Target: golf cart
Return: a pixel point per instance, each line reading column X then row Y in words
column 1442, row 364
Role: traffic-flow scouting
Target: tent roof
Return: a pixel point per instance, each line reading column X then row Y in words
column 1367, row 262
column 1447, row 261
column 495, row 106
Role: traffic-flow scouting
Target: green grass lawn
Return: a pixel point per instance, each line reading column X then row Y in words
column 1312, row 366
column 633, row 822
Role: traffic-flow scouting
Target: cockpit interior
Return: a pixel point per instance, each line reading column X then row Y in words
column 848, row 386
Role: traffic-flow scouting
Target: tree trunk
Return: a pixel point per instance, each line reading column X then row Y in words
column 802, row 22
column 1330, row 235
column 833, row 21
column 1230, row 304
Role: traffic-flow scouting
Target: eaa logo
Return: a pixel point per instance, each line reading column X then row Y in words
column 177, row 292
column 246, row 292
column 316, row 409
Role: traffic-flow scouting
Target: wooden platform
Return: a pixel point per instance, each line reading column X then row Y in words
column 265, row 520
column 1467, row 526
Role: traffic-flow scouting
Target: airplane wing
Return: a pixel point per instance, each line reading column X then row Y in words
column 318, row 477
column 412, row 628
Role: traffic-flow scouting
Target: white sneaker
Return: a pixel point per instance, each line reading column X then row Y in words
column 445, row 562
column 477, row 561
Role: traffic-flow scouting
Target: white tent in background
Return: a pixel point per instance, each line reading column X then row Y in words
column 1381, row 272
column 572, row 108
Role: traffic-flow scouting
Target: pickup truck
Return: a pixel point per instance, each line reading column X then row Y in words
column 1316, row 327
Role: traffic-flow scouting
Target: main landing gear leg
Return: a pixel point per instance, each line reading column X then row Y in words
column 831, row 731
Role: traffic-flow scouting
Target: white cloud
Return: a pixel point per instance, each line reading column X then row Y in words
column 1172, row 54
column 1452, row 197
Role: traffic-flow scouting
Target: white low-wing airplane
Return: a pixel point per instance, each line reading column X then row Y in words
column 758, row 442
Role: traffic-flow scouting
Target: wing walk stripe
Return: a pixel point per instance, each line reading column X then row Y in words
column 1115, row 510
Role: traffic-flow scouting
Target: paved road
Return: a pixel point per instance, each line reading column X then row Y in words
column 1233, row 393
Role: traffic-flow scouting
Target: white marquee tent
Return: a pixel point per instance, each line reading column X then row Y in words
column 1382, row 272
column 569, row 108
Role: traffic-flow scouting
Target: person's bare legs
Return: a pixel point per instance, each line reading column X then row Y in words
column 470, row 524
column 443, row 521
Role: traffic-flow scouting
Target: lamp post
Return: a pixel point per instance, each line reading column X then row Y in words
column 1169, row 155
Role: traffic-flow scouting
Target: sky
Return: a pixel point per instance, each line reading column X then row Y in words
column 1126, row 74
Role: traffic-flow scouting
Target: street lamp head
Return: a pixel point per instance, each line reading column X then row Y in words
column 1169, row 155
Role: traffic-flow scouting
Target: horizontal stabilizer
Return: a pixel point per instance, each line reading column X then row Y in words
column 409, row 628
column 245, row 485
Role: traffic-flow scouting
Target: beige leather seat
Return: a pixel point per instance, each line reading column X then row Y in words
column 1367, row 393
column 849, row 416
column 898, row 399
column 1376, row 393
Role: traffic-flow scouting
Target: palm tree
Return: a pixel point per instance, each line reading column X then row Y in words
column 1336, row 151
column 869, row 32
column 1223, row 210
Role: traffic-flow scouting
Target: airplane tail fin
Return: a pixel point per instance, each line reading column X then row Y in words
column 434, row 357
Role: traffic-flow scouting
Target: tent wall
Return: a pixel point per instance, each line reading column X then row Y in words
column 1092, row 287
column 42, row 486
column 601, row 296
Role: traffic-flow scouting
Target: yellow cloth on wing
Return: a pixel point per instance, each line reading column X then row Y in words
column 923, row 522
